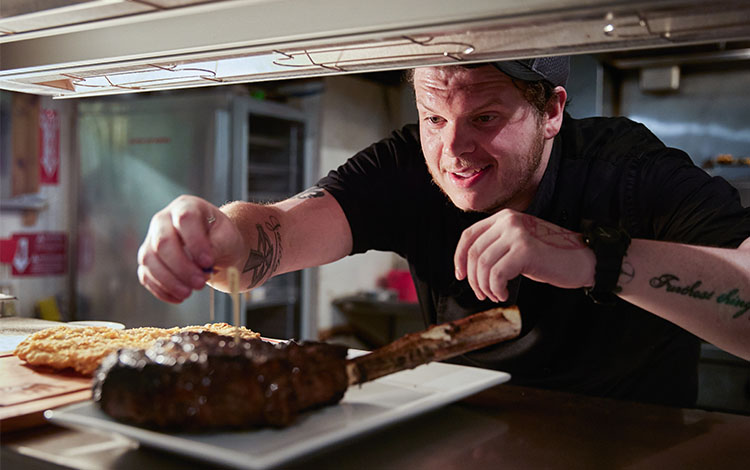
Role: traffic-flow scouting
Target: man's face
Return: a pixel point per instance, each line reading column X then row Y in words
column 483, row 142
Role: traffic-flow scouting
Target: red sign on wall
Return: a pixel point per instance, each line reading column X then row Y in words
column 49, row 147
column 36, row 254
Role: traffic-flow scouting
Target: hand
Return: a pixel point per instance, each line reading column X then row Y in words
column 185, row 241
column 497, row 249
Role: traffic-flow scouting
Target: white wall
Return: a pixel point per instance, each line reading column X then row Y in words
column 355, row 113
column 56, row 218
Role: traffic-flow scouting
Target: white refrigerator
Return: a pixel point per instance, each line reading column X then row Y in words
column 139, row 152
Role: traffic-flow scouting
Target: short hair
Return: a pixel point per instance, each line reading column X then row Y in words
column 536, row 93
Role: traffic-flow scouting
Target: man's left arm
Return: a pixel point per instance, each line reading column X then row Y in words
column 704, row 290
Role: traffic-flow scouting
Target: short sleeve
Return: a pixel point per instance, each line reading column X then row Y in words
column 378, row 188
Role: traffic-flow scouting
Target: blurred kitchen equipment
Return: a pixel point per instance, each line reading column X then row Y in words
column 138, row 154
column 400, row 281
column 7, row 301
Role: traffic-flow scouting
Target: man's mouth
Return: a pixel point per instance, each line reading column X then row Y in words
column 466, row 177
column 466, row 173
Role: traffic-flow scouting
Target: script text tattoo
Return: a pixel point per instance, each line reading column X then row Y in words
column 728, row 296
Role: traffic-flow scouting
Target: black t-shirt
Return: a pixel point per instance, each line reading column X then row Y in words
column 611, row 170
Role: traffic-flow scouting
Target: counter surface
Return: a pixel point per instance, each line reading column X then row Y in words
column 508, row 426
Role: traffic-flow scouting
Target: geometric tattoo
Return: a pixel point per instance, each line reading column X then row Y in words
column 264, row 259
column 552, row 235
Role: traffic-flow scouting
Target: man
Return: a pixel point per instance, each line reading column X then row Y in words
column 616, row 249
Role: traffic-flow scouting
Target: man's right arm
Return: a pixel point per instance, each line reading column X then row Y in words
column 309, row 229
column 192, row 241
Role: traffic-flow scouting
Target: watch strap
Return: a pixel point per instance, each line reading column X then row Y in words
column 609, row 244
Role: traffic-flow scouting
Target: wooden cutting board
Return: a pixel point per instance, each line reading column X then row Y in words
column 26, row 392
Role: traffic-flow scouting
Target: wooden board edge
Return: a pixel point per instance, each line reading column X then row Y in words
column 32, row 413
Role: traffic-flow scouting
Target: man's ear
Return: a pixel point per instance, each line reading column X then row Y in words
column 554, row 112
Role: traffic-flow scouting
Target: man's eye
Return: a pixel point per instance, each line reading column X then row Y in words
column 434, row 119
column 485, row 118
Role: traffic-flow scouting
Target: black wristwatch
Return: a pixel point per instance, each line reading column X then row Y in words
column 609, row 245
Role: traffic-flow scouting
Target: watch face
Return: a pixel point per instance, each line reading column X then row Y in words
column 601, row 236
column 609, row 234
column 605, row 233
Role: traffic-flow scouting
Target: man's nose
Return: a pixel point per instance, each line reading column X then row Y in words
column 457, row 140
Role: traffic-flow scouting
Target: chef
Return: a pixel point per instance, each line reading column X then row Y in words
column 619, row 252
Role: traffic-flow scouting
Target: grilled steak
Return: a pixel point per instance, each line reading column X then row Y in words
column 197, row 381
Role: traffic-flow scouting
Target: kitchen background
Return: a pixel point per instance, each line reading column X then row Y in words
column 80, row 179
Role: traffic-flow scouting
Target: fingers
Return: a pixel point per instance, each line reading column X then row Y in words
column 488, row 257
column 488, row 265
column 176, row 250
column 472, row 251
column 461, row 256
column 192, row 227
column 157, row 288
column 501, row 273
column 475, row 251
column 165, row 282
column 488, row 273
column 507, row 244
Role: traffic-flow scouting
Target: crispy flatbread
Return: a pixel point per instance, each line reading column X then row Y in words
column 83, row 348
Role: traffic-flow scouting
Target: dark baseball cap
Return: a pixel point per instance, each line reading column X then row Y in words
column 552, row 69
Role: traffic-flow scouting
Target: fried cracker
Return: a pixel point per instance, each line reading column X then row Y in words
column 83, row 348
column 224, row 329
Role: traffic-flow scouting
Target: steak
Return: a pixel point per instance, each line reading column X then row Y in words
column 201, row 380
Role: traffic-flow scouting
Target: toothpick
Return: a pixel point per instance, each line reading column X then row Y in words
column 234, row 289
column 211, row 305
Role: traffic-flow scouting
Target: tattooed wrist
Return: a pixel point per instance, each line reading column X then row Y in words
column 264, row 260
column 627, row 273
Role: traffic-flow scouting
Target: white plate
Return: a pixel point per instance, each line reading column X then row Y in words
column 109, row 324
column 8, row 343
column 364, row 408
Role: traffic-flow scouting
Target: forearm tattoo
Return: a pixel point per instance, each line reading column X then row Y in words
column 265, row 259
column 310, row 193
column 730, row 296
